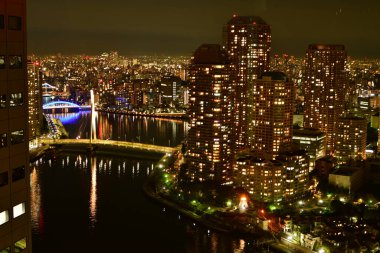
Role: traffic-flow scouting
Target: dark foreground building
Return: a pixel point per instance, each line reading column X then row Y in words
column 15, row 233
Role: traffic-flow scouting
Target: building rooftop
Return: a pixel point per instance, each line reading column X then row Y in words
column 254, row 159
column 328, row 158
column 307, row 132
column 326, row 47
column 283, row 156
column 242, row 20
column 345, row 170
column 210, row 54
column 275, row 75
column 352, row 117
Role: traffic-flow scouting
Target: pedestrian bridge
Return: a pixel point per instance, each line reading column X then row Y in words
column 111, row 144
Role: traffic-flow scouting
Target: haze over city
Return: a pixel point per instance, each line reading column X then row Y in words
column 178, row 27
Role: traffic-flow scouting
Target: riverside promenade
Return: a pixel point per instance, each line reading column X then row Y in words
column 264, row 240
column 241, row 225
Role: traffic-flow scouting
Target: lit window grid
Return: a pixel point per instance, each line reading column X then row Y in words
column 249, row 46
column 324, row 87
column 351, row 139
column 209, row 145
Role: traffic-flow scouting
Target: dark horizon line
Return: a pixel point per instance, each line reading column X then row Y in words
column 172, row 55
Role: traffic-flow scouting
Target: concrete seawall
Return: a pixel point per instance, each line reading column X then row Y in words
column 107, row 150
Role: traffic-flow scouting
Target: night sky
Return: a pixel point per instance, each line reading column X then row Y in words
column 178, row 27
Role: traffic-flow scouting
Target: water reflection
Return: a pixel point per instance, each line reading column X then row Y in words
column 93, row 197
column 165, row 132
column 96, row 204
column 35, row 198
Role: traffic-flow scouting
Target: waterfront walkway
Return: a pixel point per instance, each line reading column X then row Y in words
column 111, row 143
column 168, row 115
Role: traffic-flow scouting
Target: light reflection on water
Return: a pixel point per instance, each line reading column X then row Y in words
column 96, row 204
column 35, row 196
column 93, row 197
column 164, row 132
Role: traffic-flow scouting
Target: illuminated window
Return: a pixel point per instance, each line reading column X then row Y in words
column 3, row 178
column 20, row 245
column 3, row 140
column 14, row 23
column 15, row 61
column 18, row 173
column 16, row 99
column 3, row 101
column 4, row 217
column 18, row 210
column 17, row 137
column 2, row 61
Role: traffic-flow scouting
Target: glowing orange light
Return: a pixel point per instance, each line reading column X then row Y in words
column 262, row 211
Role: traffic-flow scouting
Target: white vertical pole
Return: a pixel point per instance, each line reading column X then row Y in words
column 93, row 123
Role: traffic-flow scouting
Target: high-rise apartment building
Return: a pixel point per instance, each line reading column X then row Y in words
column 274, row 171
column 272, row 115
column 34, row 99
column 209, row 149
column 351, row 138
column 15, row 233
column 248, row 41
column 324, row 89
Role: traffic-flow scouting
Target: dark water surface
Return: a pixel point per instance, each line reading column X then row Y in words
column 96, row 204
column 83, row 203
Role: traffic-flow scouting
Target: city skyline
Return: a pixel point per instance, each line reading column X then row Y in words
column 221, row 149
column 179, row 27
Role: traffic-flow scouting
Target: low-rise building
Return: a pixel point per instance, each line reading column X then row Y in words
column 325, row 165
column 313, row 141
column 351, row 137
column 282, row 179
column 349, row 177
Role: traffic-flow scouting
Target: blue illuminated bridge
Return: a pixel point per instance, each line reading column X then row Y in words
column 64, row 105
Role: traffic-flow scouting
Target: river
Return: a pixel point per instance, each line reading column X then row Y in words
column 82, row 203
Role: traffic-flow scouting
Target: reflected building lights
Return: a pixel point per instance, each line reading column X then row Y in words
column 35, row 200
column 214, row 243
column 128, row 128
column 198, row 239
column 93, row 193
